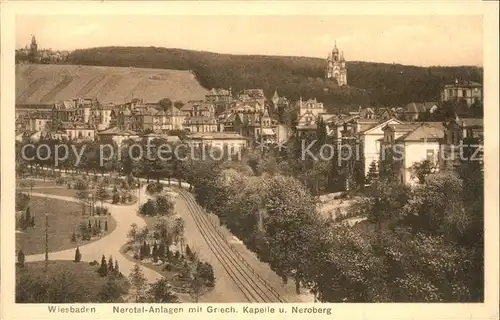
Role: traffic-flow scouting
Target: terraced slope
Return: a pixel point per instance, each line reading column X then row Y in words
column 44, row 84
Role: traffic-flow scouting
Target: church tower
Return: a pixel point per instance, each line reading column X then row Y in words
column 335, row 66
column 33, row 49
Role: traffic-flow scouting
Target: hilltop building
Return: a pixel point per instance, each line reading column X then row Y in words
column 467, row 91
column 335, row 66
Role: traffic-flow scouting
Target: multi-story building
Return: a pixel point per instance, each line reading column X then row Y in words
column 369, row 133
column 248, row 95
column 220, row 98
column 37, row 121
column 200, row 117
column 87, row 111
column 335, row 66
column 78, row 131
column 414, row 111
column 405, row 144
column 250, row 120
column 461, row 134
column 230, row 142
column 116, row 136
column 467, row 91
column 308, row 113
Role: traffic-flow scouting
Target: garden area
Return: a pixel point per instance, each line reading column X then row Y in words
column 160, row 246
column 67, row 227
column 69, row 282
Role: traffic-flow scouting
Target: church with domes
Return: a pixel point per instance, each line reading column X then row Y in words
column 335, row 66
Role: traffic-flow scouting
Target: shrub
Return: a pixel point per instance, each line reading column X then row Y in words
column 94, row 263
column 189, row 253
column 116, row 197
column 104, row 211
column 154, row 188
column 206, row 272
column 129, row 197
column 80, row 184
column 73, row 237
column 123, row 199
column 20, row 258
column 60, row 181
column 148, row 208
column 167, row 267
column 22, row 201
column 78, row 255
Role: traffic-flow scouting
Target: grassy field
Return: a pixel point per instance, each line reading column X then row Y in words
column 42, row 84
column 64, row 218
column 64, row 282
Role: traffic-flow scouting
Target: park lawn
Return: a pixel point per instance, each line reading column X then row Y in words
column 67, row 281
column 64, row 218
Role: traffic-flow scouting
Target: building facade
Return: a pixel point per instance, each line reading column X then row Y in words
column 467, row 91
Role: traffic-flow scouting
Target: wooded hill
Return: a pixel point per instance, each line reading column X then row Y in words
column 377, row 84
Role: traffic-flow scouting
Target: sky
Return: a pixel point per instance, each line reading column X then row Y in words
column 413, row 40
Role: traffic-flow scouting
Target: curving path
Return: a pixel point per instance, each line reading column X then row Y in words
column 107, row 245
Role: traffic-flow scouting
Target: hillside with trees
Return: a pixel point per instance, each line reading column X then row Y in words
column 369, row 83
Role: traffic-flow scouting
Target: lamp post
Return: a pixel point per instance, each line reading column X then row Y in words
column 138, row 194
column 46, row 239
column 90, row 203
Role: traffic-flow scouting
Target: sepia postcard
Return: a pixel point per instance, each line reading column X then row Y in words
column 248, row 159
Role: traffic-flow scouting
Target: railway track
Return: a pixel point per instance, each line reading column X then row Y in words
column 254, row 288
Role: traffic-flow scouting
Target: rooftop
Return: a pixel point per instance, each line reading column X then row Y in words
column 215, row 136
column 424, row 132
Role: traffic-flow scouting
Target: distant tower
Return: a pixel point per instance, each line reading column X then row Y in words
column 335, row 66
column 33, row 49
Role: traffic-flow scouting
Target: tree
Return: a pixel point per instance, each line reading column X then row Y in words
column 178, row 104
column 78, row 255
column 110, row 265
column 20, row 258
column 103, row 269
column 164, row 206
column 148, row 208
column 160, row 292
column 206, row 272
column 195, row 283
column 138, row 282
column 116, row 269
column 161, row 251
column 155, row 253
column 372, row 172
column 163, row 231
column 291, row 226
column 165, row 103
column 132, row 232
column 112, row 291
column 178, row 231
column 189, row 254
column 422, row 169
column 101, row 193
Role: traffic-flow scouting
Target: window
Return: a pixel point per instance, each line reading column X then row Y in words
column 450, row 92
column 464, row 93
